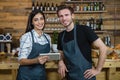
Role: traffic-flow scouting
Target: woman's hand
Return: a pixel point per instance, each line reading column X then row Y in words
column 42, row 59
column 62, row 68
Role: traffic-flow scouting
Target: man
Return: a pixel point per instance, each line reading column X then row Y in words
column 74, row 44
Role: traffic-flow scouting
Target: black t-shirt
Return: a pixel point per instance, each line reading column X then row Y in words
column 85, row 37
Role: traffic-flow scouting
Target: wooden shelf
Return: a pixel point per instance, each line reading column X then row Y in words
column 77, row 12
column 82, row 1
column 100, row 31
column 46, row 12
column 5, row 41
column 111, row 19
column 52, row 22
column 51, row 31
column 112, row 32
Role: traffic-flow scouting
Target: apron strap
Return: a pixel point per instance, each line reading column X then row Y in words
column 75, row 38
column 62, row 41
column 32, row 37
column 46, row 37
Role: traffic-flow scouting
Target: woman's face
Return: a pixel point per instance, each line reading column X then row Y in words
column 38, row 21
column 65, row 17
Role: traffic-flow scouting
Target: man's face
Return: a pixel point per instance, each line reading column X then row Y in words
column 65, row 17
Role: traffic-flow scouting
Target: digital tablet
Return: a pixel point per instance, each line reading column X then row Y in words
column 52, row 56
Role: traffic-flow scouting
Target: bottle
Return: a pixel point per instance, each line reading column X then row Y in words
column 103, row 7
column 74, row 7
column 97, row 24
column 95, row 8
column 100, row 6
column 91, row 6
column 81, row 7
column 77, row 7
column 108, row 40
column 100, row 23
column 37, row 5
column 88, row 7
column 92, row 23
column 48, row 7
column 52, row 7
column 41, row 6
column 88, row 23
column 45, row 7
column 56, row 7
column 33, row 5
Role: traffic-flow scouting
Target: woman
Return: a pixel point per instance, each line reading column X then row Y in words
column 32, row 43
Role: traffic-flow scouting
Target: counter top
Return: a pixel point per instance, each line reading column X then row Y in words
column 12, row 63
column 109, row 63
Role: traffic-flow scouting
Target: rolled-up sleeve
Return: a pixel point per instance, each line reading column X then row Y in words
column 25, row 46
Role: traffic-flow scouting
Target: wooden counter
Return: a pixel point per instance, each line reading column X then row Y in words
column 111, row 69
column 12, row 65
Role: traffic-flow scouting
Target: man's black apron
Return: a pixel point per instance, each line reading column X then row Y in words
column 35, row 71
column 75, row 61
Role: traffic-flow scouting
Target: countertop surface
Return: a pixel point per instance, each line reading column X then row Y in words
column 12, row 63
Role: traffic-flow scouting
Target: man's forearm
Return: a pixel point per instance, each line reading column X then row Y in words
column 101, row 59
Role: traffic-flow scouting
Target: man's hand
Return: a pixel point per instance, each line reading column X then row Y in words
column 90, row 73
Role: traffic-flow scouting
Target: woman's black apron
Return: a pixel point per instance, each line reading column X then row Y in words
column 34, row 71
column 75, row 61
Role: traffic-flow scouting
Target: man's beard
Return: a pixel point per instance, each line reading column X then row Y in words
column 69, row 23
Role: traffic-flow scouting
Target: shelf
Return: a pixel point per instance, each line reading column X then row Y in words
column 52, row 22
column 51, row 31
column 81, row 1
column 111, row 19
column 77, row 12
column 49, row 12
column 112, row 32
column 46, row 12
column 5, row 41
column 100, row 31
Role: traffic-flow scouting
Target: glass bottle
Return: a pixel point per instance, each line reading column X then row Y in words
column 103, row 7
column 45, row 7
column 37, row 5
column 48, row 7
column 33, row 5
column 52, row 7
column 41, row 6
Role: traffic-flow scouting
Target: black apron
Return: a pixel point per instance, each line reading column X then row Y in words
column 75, row 61
column 34, row 71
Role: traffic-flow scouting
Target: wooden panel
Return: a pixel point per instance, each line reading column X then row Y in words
column 14, row 14
column 15, row 0
column 15, row 4
column 102, row 75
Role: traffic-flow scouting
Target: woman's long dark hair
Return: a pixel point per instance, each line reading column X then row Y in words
column 30, row 18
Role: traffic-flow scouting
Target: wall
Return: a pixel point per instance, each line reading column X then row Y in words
column 14, row 14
